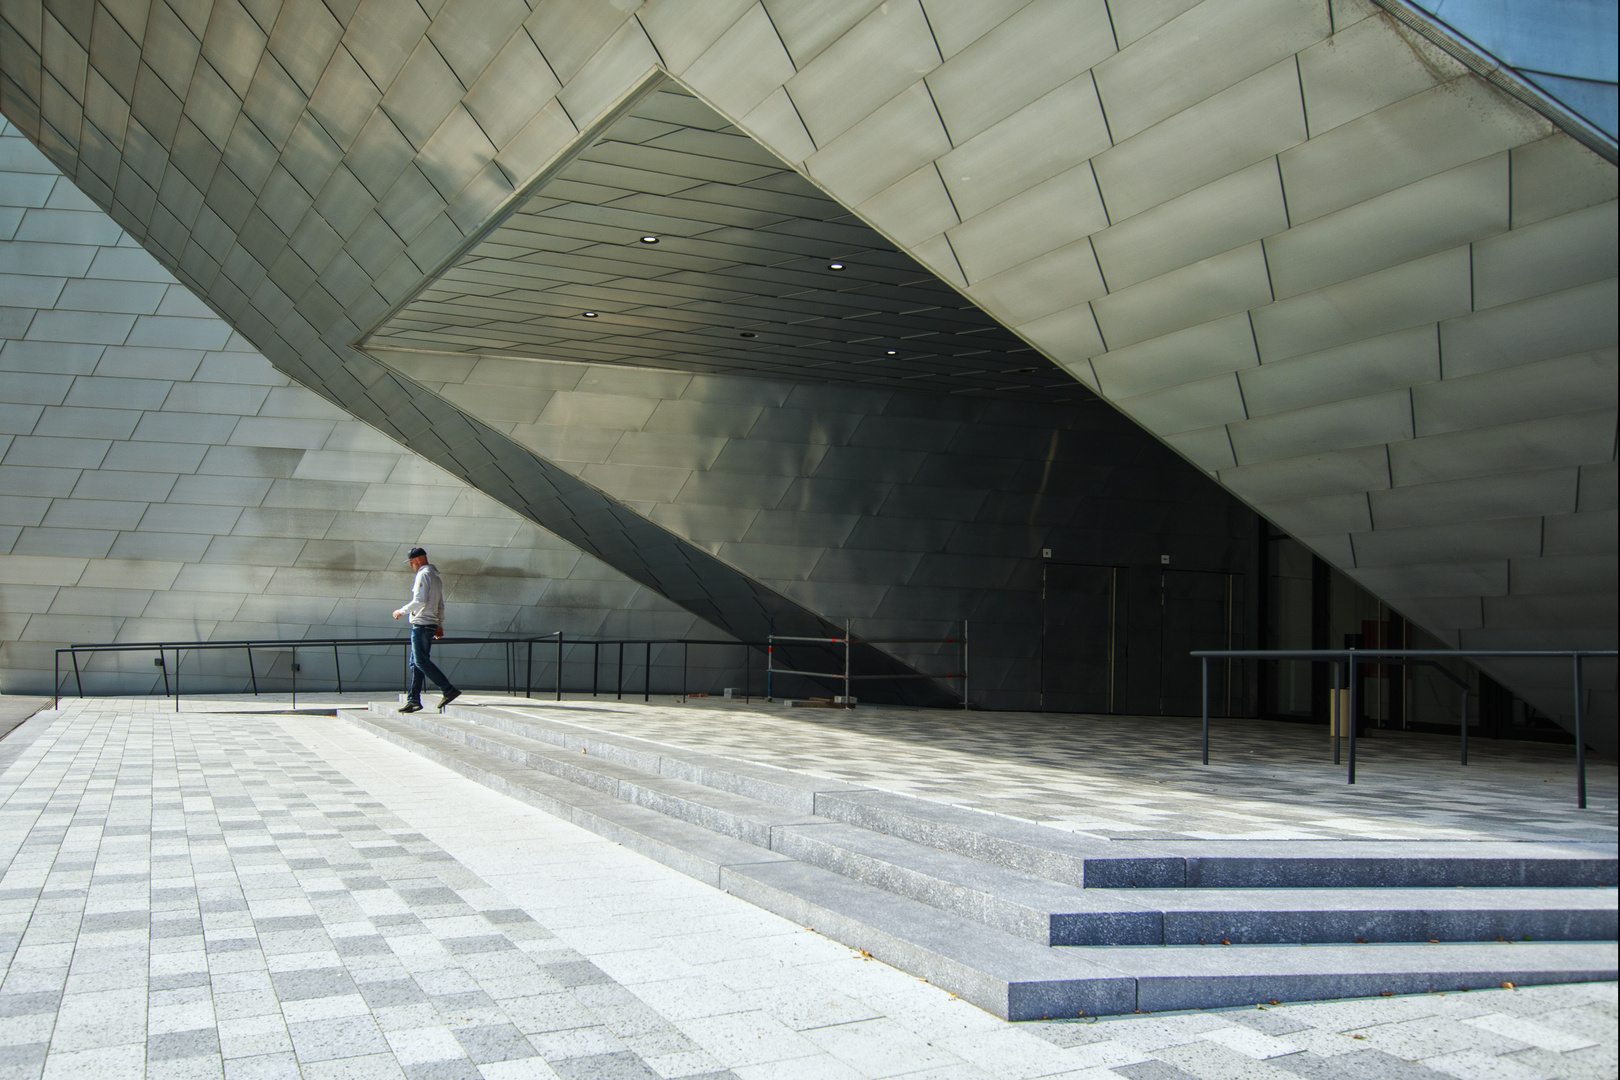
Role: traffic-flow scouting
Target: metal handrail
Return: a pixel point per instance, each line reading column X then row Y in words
column 771, row 670
column 512, row 642
column 1351, row 656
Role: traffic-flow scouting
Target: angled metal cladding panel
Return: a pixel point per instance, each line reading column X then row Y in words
column 257, row 274
column 164, row 482
column 582, row 515
column 892, row 113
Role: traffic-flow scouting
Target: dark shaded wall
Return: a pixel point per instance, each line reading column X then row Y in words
column 907, row 513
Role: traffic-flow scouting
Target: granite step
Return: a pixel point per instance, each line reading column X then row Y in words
column 1025, row 905
column 624, row 775
column 1082, row 859
column 985, row 931
column 1094, row 862
column 1020, row 980
column 691, row 849
column 767, row 783
column 1050, row 913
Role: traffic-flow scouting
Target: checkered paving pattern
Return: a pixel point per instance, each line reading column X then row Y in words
column 198, row 896
column 220, row 893
column 1133, row 777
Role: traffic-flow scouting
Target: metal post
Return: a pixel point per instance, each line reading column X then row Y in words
column 846, row 664
column 1335, row 715
column 253, row 674
column 559, row 664
column 684, row 651
column 56, row 681
column 337, row 666
column 964, row 664
column 165, row 669
column 1205, row 662
column 528, row 672
column 176, row 680
column 1465, row 726
column 294, row 675
column 1352, row 711
column 1580, row 737
column 619, row 682
column 646, row 675
column 78, row 683
column 770, row 664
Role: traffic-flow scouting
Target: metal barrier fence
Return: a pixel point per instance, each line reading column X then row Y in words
column 846, row 677
column 519, row 653
column 1351, row 657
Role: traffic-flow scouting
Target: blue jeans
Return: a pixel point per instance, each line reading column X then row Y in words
column 422, row 665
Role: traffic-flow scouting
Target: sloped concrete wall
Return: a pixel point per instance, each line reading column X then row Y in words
column 159, row 480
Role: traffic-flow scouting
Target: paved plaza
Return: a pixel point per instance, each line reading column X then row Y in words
column 240, row 890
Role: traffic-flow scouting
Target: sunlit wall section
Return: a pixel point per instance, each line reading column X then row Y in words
column 159, row 480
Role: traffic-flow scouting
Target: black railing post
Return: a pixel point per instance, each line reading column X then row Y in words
column 1465, row 725
column 964, row 664
column 528, row 672
column 56, row 681
column 176, row 680
column 1580, row 737
column 1335, row 714
column 337, row 666
column 78, row 683
column 1205, row 661
column 163, row 667
column 619, row 682
column 646, row 675
column 685, row 651
column 559, row 664
column 295, row 676
column 1352, row 710
column 253, row 675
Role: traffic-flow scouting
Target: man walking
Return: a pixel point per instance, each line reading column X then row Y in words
column 426, row 609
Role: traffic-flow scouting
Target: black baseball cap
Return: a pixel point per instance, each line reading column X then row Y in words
column 415, row 553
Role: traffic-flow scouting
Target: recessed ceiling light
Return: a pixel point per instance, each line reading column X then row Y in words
column 649, row 239
column 748, row 333
column 893, row 352
column 835, row 266
column 590, row 314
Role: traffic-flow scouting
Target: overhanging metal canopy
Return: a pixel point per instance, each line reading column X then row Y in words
column 675, row 241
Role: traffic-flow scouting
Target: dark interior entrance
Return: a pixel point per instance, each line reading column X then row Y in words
column 1116, row 639
column 1081, row 655
column 1201, row 610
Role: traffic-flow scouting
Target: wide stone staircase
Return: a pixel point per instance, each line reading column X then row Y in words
column 1027, row 921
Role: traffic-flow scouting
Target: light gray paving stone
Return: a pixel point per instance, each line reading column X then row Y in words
column 227, row 755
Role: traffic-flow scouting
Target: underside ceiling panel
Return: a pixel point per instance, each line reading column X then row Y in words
column 676, row 241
